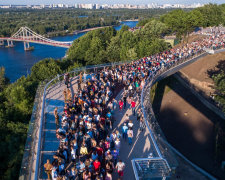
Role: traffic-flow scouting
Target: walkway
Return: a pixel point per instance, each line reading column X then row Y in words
column 141, row 142
column 54, row 98
column 140, row 148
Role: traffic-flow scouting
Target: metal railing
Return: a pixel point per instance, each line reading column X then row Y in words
column 164, row 150
column 29, row 150
column 33, row 145
column 47, row 89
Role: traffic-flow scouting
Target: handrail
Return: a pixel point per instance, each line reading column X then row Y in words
column 151, row 80
column 152, row 137
column 36, row 172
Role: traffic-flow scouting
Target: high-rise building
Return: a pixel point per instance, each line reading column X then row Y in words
column 98, row 6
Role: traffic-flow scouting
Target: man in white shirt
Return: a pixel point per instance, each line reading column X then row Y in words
column 120, row 166
column 130, row 136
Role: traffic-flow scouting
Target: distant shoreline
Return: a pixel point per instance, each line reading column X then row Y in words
column 89, row 29
column 132, row 20
column 94, row 28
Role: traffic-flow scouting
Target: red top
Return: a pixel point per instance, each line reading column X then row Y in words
column 99, row 151
column 96, row 165
column 121, row 103
column 102, row 119
column 133, row 103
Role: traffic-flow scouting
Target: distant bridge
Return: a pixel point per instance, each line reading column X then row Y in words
column 26, row 35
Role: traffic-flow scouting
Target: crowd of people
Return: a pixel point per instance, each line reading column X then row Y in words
column 89, row 147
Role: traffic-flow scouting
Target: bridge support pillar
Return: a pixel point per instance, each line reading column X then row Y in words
column 1, row 42
column 10, row 43
column 26, row 46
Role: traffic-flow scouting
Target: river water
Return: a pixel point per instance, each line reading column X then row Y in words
column 18, row 62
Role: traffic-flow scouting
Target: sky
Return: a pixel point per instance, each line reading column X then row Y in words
column 33, row 2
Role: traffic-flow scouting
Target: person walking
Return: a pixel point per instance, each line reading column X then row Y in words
column 130, row 136
column 133, row 105
column 56, row 117
column 69, row 96
column 65, row 95
column 139, row 115
column 125, row 100
column 67, row 79
column 114, row 102
column 142, row 123
column 120, row 166
column 121, row 105
column 48, row 168
column 130, row 124
column 124, row 130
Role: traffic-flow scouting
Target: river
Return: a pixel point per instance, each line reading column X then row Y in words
column 18, row 62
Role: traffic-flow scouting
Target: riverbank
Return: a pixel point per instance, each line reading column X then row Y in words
column 131, row 20
column 89, row 29
column 65, row 33
column 94, row 28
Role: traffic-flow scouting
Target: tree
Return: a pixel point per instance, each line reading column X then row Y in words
column 153, row 29
column 3, row 80
column 113, row 50
column 212, row 15
column 219, row 81
column 92, row 54
column 45, row 69
column 175, row 21
column 143, row 22
column 191, row 20
column 131, row 54
column 144, row 48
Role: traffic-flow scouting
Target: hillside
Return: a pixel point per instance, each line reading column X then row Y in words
column 198, row 75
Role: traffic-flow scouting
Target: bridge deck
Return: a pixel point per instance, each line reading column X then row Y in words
column 141, row 147
column 57, row 44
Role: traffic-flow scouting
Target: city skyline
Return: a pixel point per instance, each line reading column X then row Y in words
column 134, row 2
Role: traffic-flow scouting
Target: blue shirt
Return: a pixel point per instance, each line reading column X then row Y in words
column 124, row 129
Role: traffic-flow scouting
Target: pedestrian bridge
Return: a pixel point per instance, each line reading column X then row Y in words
column 26, row 35
column 157, row 159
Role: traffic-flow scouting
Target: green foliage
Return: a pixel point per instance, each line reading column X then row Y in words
column 175, row 21
column 54, row 22
column 113, row 49
column 12, row 138
column 212, row 15
column 3, row 80
column 182, row 23
column 91, row 48
column 142, row 22
column 74, row 66
column 19, row 96
column 45, row 69
column 107, row 45
column 95, row 47
column 153, row 29
column 219, row 81
column 15, row 110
